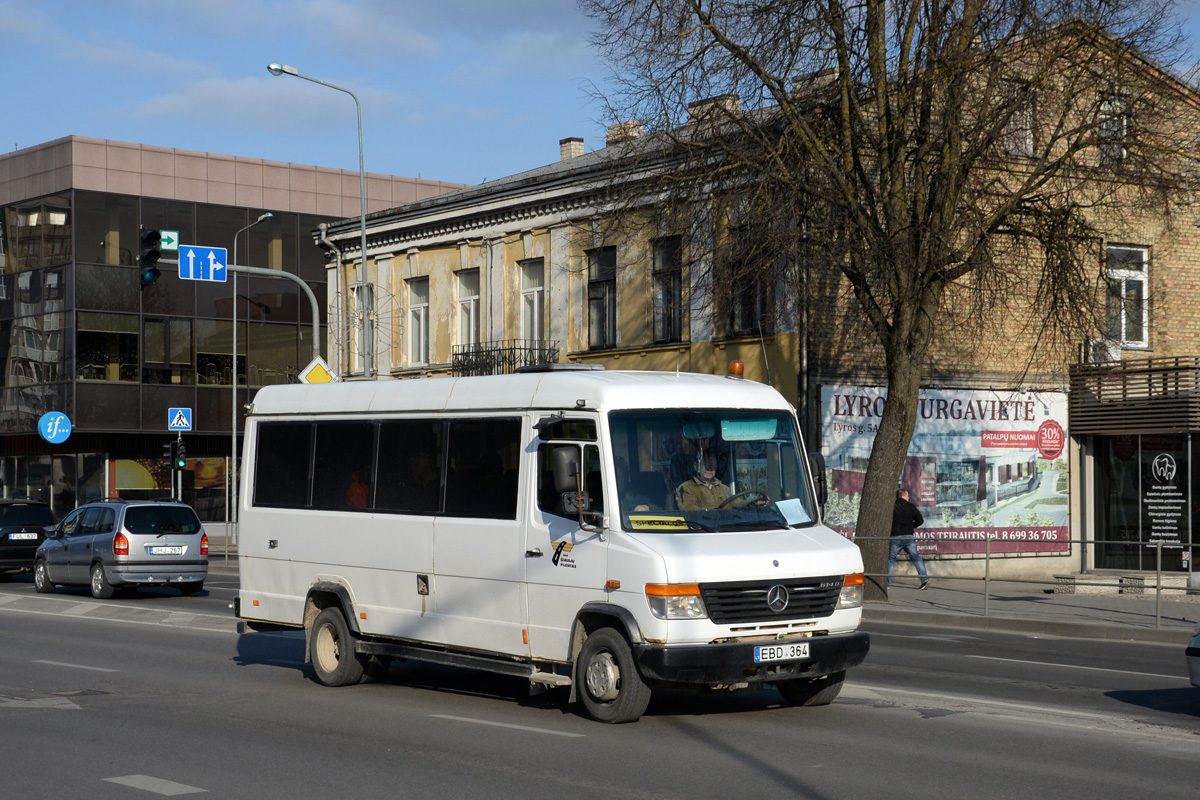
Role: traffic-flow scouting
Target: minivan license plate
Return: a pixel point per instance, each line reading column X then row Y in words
column 780, row 652
column 22, row 536
column 165, row 550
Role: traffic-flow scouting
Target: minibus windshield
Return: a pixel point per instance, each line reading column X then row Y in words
column 709, row 470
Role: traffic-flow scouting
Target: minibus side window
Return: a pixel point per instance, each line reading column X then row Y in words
column 282, row 464
column 481, row 468
column 343, row 465
column 409, row 475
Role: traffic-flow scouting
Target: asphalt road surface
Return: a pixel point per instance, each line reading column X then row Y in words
column 156, row 694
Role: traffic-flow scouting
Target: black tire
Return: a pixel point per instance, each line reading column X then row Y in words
column 101, row 588
column 191, row 587
column 331, row 650
column 611, row 687
column 41, row 578
column 812, row 691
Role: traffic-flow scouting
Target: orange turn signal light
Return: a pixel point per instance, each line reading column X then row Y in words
column 673, row 589
column 853, row 580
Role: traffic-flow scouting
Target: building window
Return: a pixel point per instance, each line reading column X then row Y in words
column 362, row 313
column 418, row 321
column 167, row 351
column 750, row 288
column 1018, row 135
column 602, row 298
column 468, row 306
column 1127, row 306
column 533, row 292
column 107, row 347
column 1112, row 130
column 668, row 290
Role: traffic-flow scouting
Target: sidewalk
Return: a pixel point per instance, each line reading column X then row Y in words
column 1034, row 608
column 1030, row 608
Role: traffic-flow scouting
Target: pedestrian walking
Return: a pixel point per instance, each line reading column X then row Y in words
column 905, row 519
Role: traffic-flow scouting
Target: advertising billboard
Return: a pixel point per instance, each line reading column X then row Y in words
column 986, row 468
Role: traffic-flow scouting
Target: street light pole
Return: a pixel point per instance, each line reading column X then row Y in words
column 367, row 344
column 233, row 449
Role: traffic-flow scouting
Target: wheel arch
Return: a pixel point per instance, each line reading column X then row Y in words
column 592, row 617
column 323, row 595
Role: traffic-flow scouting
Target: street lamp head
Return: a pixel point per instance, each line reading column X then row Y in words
column 265, row 215
column 279, row 69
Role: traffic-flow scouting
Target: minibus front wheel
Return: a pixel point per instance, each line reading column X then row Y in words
column 812, row 691
column 613, row 690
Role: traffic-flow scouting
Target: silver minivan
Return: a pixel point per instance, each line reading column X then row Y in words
column 124, row 543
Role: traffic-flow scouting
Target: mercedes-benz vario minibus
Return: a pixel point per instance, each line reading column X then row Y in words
column 607, row 531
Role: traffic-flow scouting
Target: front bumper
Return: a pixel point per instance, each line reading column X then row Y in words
column 733, row 662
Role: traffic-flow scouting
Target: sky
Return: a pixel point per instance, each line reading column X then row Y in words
column 455, row 90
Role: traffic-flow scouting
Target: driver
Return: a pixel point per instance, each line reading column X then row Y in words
column 704, row 490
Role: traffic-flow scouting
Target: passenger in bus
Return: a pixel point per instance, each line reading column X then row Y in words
column 418, row 488
column 358, row 492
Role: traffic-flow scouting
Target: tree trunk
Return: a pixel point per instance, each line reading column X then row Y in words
column 884, row 468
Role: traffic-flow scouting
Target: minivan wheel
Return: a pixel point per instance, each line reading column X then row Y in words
column 812, row 691
column 101, row 588
column 612, row 690
column 331, row 649
column 41, row 578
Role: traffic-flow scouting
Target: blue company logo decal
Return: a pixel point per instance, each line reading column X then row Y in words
column 55, row 427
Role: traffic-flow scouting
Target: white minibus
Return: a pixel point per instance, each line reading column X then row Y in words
column 607, row 531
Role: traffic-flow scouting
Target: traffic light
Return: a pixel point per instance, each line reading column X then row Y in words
column 180, row 454
column 169, row 452
column 148, row 255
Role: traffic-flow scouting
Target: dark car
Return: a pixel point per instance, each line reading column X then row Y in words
column 124, row 543
column 23, row 523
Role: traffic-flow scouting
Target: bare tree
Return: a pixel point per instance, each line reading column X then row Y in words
column 951, row 160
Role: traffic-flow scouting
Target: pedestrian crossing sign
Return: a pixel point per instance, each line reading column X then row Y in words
column 179, row 419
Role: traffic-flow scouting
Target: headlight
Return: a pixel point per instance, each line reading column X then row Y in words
column 675, row 601
column 852, row 592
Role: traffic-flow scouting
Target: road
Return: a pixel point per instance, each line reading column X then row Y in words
column 157, row 695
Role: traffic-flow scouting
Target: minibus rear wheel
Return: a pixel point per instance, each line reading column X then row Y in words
column 812, row 691
column 613, row 690
column 331, row 650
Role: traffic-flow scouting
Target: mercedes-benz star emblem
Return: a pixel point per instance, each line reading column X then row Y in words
column 777, row 598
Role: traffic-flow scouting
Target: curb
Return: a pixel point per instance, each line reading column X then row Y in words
column 1074, row 630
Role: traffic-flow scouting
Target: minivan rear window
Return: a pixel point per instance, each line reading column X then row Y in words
column 161, row 519
column 21, row 514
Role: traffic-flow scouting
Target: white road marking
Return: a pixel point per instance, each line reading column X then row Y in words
column 74, row 666
column 79, row 610
column 1074, row 666
column 8, row 598
column 506, row 725
column 37, row 702
column 156, row 785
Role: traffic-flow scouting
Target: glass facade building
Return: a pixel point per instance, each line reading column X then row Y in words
column 79, row 335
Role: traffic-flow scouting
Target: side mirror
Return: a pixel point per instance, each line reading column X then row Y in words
column 816, row 464
column 565, row 461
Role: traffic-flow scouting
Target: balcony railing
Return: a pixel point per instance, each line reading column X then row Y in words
column 501, row 357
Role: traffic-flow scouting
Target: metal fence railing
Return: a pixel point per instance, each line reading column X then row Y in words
column 1093, row 579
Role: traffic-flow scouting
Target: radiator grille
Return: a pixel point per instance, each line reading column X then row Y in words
column 731, row 603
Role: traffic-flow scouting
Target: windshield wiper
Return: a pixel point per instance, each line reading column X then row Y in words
column 693, row 525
